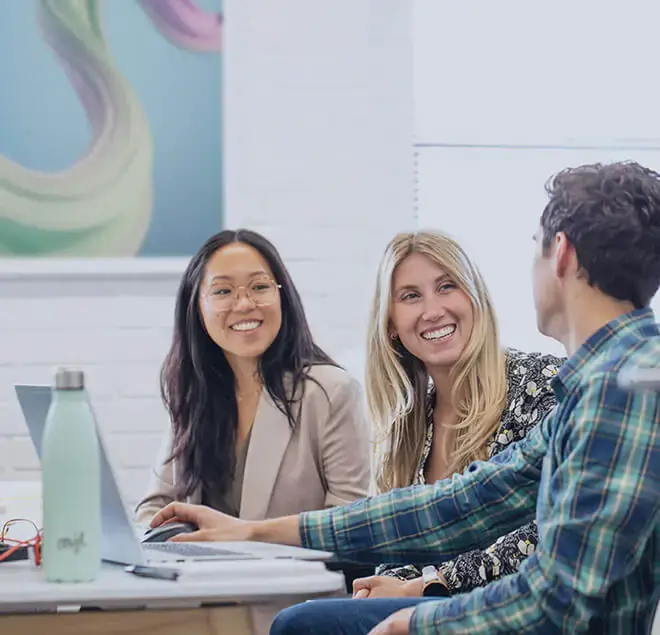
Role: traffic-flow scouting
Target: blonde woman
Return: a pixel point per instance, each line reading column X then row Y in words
column 442, row 393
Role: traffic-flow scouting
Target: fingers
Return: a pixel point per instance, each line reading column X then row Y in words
column 362, row 586
column 179, row 511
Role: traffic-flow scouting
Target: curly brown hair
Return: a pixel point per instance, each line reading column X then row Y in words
column 610, row 213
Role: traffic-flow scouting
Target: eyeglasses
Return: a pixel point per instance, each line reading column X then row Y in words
column 13, row 548
column 223, row 296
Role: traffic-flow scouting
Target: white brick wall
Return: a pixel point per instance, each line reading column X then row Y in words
column 318, row 157
column 119, row 341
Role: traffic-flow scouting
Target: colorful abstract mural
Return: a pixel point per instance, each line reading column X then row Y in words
column 110, row 127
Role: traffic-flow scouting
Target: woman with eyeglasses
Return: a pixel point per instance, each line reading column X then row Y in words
column 263, row 422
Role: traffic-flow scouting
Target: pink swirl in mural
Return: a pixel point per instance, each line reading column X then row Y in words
column 185, row 24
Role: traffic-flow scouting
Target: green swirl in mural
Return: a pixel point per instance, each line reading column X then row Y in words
column 102, row 204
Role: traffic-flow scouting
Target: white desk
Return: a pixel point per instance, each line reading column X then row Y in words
column 223, row 598
column 119, row 602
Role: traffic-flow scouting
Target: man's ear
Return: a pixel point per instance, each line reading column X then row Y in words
column 564, row 256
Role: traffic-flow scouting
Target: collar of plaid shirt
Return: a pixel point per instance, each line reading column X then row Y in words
column 640, row 322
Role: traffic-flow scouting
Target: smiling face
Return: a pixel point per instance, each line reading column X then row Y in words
column 247, row 326
column 432, row 317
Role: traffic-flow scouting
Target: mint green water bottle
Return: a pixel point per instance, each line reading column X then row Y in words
column 71, row 475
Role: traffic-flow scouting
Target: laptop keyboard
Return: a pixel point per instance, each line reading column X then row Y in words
column 194, row 551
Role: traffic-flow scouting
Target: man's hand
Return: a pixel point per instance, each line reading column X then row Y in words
column 384, row 586
column 396, row 624
column 212, row 525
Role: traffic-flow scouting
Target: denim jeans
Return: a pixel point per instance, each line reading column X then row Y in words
column 338, row 616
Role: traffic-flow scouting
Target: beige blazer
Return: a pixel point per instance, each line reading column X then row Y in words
column 323, row 463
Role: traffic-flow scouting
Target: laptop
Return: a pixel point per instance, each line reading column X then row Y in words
column 120, row 537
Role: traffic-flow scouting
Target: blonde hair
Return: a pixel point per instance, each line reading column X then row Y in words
column 397, row 383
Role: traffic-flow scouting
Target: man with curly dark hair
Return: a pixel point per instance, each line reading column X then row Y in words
column 609, row 214
column 589, row 473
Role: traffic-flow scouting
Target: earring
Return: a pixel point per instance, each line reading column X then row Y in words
column 393, row 336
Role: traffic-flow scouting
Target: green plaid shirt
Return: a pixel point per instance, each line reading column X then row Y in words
column 591, row 473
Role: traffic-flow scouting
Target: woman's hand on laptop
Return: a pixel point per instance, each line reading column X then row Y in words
column 212, row 525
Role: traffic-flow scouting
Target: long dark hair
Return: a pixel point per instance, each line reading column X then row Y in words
column 198, row 385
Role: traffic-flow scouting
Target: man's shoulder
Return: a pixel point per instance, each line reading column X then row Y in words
column 643, row 351
column 600, row 392
column 626, row 353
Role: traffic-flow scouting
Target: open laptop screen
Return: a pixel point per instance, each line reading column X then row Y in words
column 119, row 542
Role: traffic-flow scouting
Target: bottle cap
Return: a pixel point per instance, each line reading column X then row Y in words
column 69, row 379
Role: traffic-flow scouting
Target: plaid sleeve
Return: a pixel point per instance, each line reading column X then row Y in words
column 436, row 521
column 599, row 504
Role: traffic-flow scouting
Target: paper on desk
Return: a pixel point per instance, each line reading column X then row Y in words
column 204, row 569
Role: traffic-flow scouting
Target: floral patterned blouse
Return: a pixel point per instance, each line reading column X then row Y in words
column 529, row 400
